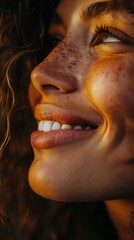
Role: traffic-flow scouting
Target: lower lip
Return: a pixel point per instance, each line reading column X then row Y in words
column 44, row 140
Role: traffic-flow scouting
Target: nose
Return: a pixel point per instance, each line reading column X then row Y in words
column 58, row 72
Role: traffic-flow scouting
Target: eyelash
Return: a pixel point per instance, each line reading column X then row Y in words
column 99, row 33
column 105, row 31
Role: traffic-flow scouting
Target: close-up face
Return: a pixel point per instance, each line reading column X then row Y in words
column 82, row 94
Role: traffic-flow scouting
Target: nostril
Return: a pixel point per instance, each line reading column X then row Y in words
column 49, row 88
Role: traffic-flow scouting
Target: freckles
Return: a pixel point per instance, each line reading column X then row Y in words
column 105, row 82
column 129, row 78
column 110, row 86
column 108, row 73
column 66, row 56
column 73, row 55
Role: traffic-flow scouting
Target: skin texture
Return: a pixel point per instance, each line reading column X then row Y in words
column 87, row 75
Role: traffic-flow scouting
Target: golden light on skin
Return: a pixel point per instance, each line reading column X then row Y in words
column 36, row 96
column 37, row 176
column 103, row 90
column 121, row 213
column 101, row 166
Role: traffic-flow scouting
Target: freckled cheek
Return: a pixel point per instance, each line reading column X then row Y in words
column 107, row 85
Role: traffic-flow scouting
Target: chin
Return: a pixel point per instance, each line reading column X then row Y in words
column 61, row 189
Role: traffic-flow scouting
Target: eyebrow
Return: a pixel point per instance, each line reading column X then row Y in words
column 96, row 9
column 99, row 9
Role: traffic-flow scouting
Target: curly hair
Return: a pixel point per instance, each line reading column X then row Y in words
column 23, row 214
column 19, row 52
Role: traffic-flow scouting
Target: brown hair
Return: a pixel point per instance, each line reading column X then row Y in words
column 19, row 47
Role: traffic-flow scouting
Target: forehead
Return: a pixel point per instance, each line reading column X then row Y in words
column 95, row 8
column 67, row 4
column 67, row 7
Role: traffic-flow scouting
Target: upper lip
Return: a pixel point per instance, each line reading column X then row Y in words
column 54, row 113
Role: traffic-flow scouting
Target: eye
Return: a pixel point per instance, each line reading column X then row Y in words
column 108, row 38
column 105, row 35
column 53, row 41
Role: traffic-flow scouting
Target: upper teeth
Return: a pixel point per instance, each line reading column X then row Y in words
column 46, row 126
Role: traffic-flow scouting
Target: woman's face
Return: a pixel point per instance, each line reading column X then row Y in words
column 84, row 105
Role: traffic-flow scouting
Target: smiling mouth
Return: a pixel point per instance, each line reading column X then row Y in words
column 48, row 125
column 52, row 134
column 56, row 129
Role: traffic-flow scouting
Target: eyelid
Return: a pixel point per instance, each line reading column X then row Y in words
column 101, row 30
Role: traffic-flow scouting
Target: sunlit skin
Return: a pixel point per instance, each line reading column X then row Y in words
column 88, row 75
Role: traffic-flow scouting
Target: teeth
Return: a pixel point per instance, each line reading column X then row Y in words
column 78, row 127
column 40, row 125
column 56, row 126
column 88, row 127
column 47, row 126
column 66, row 126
